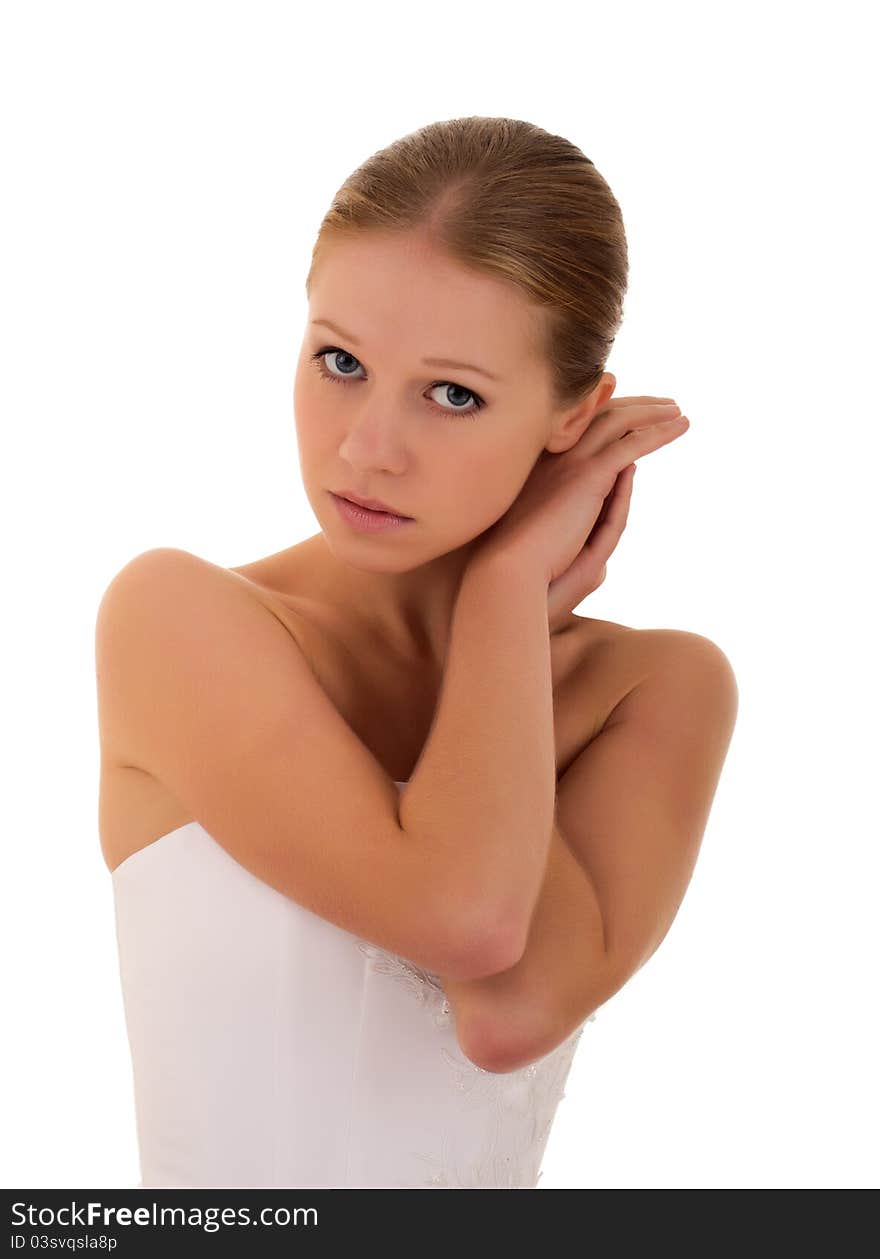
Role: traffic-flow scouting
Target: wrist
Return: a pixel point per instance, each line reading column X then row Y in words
column 504, row 564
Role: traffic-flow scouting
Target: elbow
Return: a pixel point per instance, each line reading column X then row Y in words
column 485, row 950
column 497, row 1055
column 500, row 1044
column 475, row 939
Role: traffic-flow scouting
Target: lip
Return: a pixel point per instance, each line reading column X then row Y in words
column 365, row 519
column 374, row 504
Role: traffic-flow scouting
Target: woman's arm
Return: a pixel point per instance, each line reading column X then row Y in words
column 484, row 789
column 632, row 809
column 509, row 1019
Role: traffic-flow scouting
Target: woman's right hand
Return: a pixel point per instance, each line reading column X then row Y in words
column 552, row 516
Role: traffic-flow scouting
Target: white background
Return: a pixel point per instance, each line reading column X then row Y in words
column 166, row 166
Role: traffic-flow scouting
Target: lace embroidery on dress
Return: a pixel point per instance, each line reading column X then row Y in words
column 520, row 1109
column 523, row 1101
column 424, row 986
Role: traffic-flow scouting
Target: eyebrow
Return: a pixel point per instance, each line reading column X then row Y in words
column 431, row 362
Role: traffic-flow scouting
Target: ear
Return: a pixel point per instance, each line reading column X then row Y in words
column 570, row 425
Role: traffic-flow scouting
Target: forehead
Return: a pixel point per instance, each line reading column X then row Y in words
column 404, row 291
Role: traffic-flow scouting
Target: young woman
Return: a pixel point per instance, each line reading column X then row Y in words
column 387, row 822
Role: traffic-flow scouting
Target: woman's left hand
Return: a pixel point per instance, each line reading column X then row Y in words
column 588, row 571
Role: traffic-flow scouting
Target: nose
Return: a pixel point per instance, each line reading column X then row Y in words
column 373, row 442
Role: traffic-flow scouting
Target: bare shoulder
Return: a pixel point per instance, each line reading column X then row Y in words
column 678, row 679
column 156, row 562
column 643, row 649
column 159, row 575
column 692, row 658
column 166, row 564
column 607, row 663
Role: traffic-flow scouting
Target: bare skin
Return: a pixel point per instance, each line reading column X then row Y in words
column 386, row 698
column 373, row 613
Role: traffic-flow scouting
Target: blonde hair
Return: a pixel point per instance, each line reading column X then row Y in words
column 514, row 201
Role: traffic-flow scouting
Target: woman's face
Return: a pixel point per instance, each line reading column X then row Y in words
column 450, row 446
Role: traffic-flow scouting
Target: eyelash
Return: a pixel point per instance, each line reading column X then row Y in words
column 318, row 360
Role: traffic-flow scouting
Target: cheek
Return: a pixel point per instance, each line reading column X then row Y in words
column 500, row 469
column 309, row 390
column 301, row 404
column 312, row 413
column 483, row 484
column 488, row 474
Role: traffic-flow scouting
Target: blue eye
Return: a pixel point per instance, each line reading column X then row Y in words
column 347, row 377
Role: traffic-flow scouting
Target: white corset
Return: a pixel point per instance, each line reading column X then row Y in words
column 270, row 1048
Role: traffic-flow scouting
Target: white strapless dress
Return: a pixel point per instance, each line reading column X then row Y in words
column 270, row 1048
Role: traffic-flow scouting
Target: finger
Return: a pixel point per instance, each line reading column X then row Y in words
column 587, row 572
column 608, row 425
column 636, row 443
column 607, row 534
column 643, row 399
column 609, row 507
